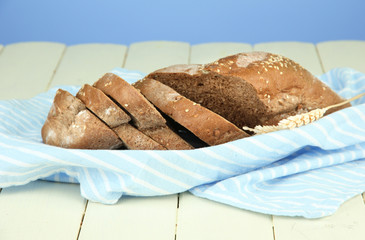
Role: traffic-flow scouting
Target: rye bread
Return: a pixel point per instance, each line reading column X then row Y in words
column 70, row 125
column 144, row 115
column 205, row 124
column 250, row 89
column 114, row 116
column 102, row 106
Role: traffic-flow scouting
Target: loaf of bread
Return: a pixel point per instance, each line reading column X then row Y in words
column 212, row 101
column 250, row 89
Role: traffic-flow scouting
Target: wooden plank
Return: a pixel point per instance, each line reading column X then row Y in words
column 201, row 219
column 131, row 218
column 86, row 63
column 142, row 57
column 210, row 52
column 26, row 68
column 342, row 54
column 294, row 51
column 40, row 210
column 150, row 56
column 347, row 223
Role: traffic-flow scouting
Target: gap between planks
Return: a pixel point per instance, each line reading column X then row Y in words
column 273, row 227
column 55, row 70
column 82, row 219
column 319, row 57
column 177, row 214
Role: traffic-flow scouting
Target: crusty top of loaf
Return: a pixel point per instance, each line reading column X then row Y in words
column 276, row 87
column 280, row 82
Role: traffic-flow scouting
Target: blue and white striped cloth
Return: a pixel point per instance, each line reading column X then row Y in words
column 308, row 171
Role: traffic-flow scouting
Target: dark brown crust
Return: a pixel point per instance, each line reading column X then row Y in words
column 281, row 87
column 70, row 125
column 208, row 126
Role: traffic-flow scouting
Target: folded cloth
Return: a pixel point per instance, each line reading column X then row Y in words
column 308, row 171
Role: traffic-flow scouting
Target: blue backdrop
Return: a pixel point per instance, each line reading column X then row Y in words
column 193, row 21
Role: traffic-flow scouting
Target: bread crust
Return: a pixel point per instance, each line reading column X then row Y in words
column 205, row 124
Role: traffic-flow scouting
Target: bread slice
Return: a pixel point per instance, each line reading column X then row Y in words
column 205, row 124
column 250, row 89
column 114, row 116
column 102, row 106
column 144, row 115
column 70, row 125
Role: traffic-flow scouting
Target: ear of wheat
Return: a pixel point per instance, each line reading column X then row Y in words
column 298, row 120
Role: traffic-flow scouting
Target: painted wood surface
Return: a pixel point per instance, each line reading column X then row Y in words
column 26, row 68
column 86, row 63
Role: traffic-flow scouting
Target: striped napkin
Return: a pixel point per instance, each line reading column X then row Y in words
column 309, row 171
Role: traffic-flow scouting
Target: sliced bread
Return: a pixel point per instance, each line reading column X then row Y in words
column 102, row 106
column 205, row 124
column 115, row 117
column 144, row 115
column 70, row 125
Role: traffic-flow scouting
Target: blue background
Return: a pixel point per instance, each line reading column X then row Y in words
column 193, row 21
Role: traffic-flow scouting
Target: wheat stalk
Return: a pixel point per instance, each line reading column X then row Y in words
column 300, row 119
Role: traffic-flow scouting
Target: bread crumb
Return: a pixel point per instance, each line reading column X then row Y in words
column 186, row 110
column 126, row 105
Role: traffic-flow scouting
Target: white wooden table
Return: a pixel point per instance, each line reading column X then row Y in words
column 47, row 210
